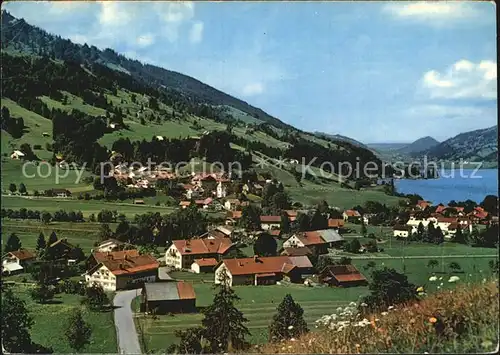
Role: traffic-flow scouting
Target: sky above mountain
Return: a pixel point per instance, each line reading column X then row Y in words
column 373, row 71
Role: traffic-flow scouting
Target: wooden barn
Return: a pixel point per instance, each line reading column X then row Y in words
column 343, row 276
column 168, row 297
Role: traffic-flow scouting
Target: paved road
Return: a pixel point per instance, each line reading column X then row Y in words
column 128, row 342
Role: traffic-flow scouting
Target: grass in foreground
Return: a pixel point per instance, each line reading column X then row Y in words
column 463, row 320
column 50, row 321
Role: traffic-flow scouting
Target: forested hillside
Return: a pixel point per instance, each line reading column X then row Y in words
column 92, row 109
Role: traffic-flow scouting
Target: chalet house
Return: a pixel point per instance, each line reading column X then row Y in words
column 109, row 245
column 58, row 193
column 15, row 261
column 402, row 231
column 17, row 154
column 207, row 183
column 118, row 274
column 192, row 191
column 263, row 270
column 204, row 265
column 335, row 223
column 98, row 257
column 342, row 276
column 182, row 253
column 351, row 216
column 233, row 204
column 233, row 217
column 317, row 241
column 422, row 205
column 292, row 214
column 444, row 222
column 61, row 248
column 168, row 297
column 220, row 232
column 479, row 215
column 270, row 222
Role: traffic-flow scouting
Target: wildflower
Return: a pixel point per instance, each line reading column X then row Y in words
column 352, row 304
column 420, row 289
column 364, row 304
column 390, row 307
column 289, row 346
column 486, row 343
column 292, row 339
column 384, row 313
column 433, row 319
column 358, row 346
column 290, row 327
column 454, row 278
column 433, row 278
column 441, row 278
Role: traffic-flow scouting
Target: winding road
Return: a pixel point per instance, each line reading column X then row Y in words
column 128, row 342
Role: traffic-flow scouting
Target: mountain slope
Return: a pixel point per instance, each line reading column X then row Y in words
column 478, row 145
column 419, row 145
column 341, row 138
column 17, row 34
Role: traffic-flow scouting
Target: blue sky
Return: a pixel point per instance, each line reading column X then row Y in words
column 373, row 71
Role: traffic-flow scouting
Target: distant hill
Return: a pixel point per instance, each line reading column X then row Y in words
column 419, row 145
column 478, row 145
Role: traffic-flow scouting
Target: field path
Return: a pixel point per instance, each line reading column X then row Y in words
column 128, row 342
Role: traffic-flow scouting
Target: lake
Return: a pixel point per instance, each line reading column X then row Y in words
column 453, row 185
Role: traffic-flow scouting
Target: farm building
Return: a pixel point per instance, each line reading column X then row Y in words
column 335, row 223
column 203, row 265
column 168, row 297
column 120, row 274
column 182, row 253
column 342, row 275
column 351, row 216
column 263, row 270
column 317, row 241
column 17, row 154
column 270, row 222
column 300, row 251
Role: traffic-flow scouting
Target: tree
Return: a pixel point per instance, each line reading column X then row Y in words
column 302, row 223
column 250, row 218
column 78, row 332
column 288, row 322
column 224, row 323
column 460, row 237
column 12, row 187
column 370, row 265
column 318, row 221
column 352, row 246
column 285, row 223
column 42, row 293
column 13, row 243
column 95, row 298
column 191, row 341
column 46, row 217
column 40, row 242
column 52, row 238
column 438, row 236
column 105, row 232
column 490, row 204
column 433, row 263
column 363, row 228
column 22, row 188
column 265, row 245
column 16, row 323
column 372, row 247
column 420, row 231
column 388, row 288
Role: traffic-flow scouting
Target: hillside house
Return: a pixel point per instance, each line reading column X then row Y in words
column 263, row 270
column 233, row 217
column 317, row 241
column 220, row 232
column 17, row 154
column 270, row 222
column 168, row 297
column 203, row 265
column 351, row 216
column 182, row 253
column 299, row 251
column 58, row 193
column 422, row 205
column 119, row 274
column 402, row 231
column 15, row 261
column 342, row 276
column 61, row 249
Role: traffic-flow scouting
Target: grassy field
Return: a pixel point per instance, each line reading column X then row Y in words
column 87, row 207
column 50, row 323
column 82, row 234
column 258, row 304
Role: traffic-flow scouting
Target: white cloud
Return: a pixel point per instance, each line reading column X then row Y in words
column 463, row 80
column 176, row 12
column 115, row 13
column 196, row 33
column 440, row 13
column 65, row 7
column 145, row 40
column 253, row 89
